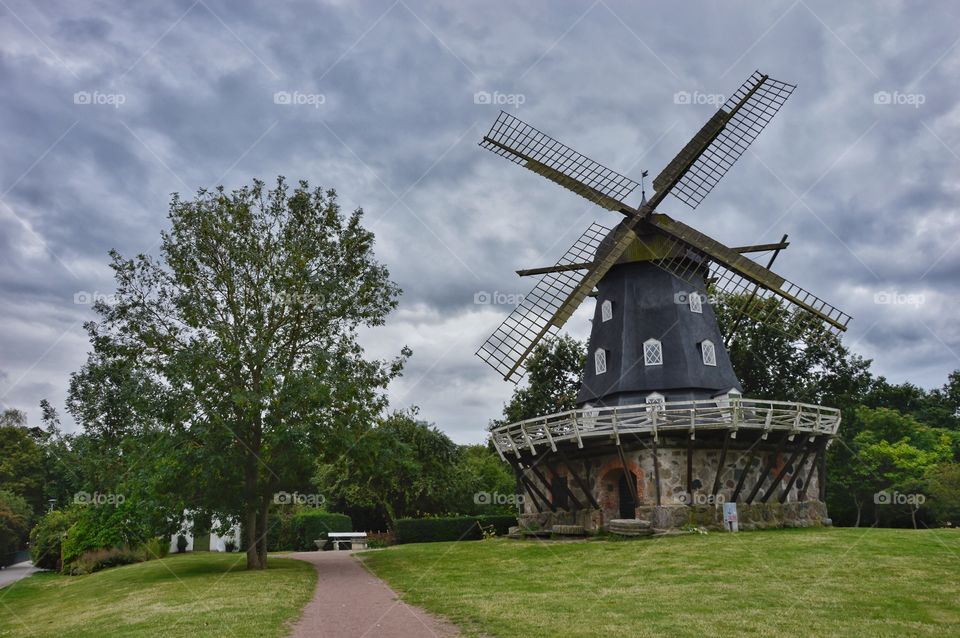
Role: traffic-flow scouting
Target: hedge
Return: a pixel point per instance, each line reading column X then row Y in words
column 298, row 532
column 429, row 530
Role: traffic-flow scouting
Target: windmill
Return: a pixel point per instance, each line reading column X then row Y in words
column 658, row 373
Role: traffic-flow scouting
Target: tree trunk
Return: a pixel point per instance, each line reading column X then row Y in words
column 859, row 506
column 262, row 530
column 256, row 559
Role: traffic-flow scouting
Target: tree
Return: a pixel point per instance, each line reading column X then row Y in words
column 247, row 324
column 554, row 376
column 15, row 516
column 22, row 469
column 401, row 467
column 943, row 486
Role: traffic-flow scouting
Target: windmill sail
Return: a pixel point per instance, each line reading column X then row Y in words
column 543, row 311
column 706, row 158
column 734, row 277
column 522, row 144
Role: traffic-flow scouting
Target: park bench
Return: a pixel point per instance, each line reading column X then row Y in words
column 357, row 540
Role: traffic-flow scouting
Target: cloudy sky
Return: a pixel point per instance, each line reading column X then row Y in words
column 109, row 107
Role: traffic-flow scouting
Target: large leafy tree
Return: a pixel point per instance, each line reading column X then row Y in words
column 247, row 326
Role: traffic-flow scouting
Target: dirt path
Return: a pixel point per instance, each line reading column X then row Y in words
column 350, row 602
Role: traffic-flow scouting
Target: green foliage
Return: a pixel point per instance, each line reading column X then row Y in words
column 249, row 321
column 104, row 527
column 47, row 535
column 15, row 515
column 404, row 467
column 22, row 467
column 943, row 487
column 554, row 375
column 96, row 559
column 298, row 531
column 156, row 547
column 182, row 543
column 429, row 530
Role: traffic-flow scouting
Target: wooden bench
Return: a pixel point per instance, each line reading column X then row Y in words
column 357, row 540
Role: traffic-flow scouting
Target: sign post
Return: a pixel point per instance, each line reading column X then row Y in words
column 730, row 517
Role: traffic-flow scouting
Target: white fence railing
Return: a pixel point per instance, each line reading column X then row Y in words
column 652, row 418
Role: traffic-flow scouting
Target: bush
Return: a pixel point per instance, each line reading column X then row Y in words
column 47, row 536
column 97, row 559
column 313, row 524
column 156, row 547
column 181, row 543
column 296, row 529
column 429, row 530
column 104, row 527
column 14, row 523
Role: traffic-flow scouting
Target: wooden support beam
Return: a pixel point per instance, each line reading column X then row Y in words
column 783, row 471
column 566, row 488
column 584, row 486
column 522, row 482
column 723, row 459
column 821, row 445
column 796, row 471
column 690, row 468
column 548, row 486
column 532, row 489
column 751, row 454
column 767, row 468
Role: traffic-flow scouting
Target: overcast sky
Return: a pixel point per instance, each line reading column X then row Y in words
column 109, row 107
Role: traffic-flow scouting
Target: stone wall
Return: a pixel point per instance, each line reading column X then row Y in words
column 602, row 473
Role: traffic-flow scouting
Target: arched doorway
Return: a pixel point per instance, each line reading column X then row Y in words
column 616, row 498
column 627, row 503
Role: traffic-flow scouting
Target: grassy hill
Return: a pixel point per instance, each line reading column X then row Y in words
column 190, row 595
column 811, row 582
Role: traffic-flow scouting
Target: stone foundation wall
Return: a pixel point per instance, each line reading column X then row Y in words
column 751, row 517
column 601, row 475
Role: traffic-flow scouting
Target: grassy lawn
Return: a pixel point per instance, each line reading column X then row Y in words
column 823, row 582
column 195, row 595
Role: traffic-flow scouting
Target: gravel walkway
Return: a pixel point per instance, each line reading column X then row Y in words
column 350, row 602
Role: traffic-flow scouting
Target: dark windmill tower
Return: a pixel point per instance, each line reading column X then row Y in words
column 661, row 435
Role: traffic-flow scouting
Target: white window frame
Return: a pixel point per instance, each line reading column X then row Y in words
column 606, row 310
column 652, row 352
column 655, row 401
column 723, row 400
column 708, row 353
column 599, row 361
column 696, row 302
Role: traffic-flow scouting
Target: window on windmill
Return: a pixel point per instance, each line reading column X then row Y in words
column 709, row 352
column 655, row 401
column 723, row 400
column 600, row 361
column 696, row 302
column 652, row 353
column 606, row 310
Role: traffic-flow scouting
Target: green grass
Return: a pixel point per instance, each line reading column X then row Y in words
column 812, row 582
column 193, row 595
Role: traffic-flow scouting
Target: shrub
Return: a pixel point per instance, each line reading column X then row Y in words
column 429, row 530
column 181, row 543
column 156, row 547
column 104, row 527
column 310, row 525
column 230, row 546
column 97, row 559
column 14, row 523
column 46, row 538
